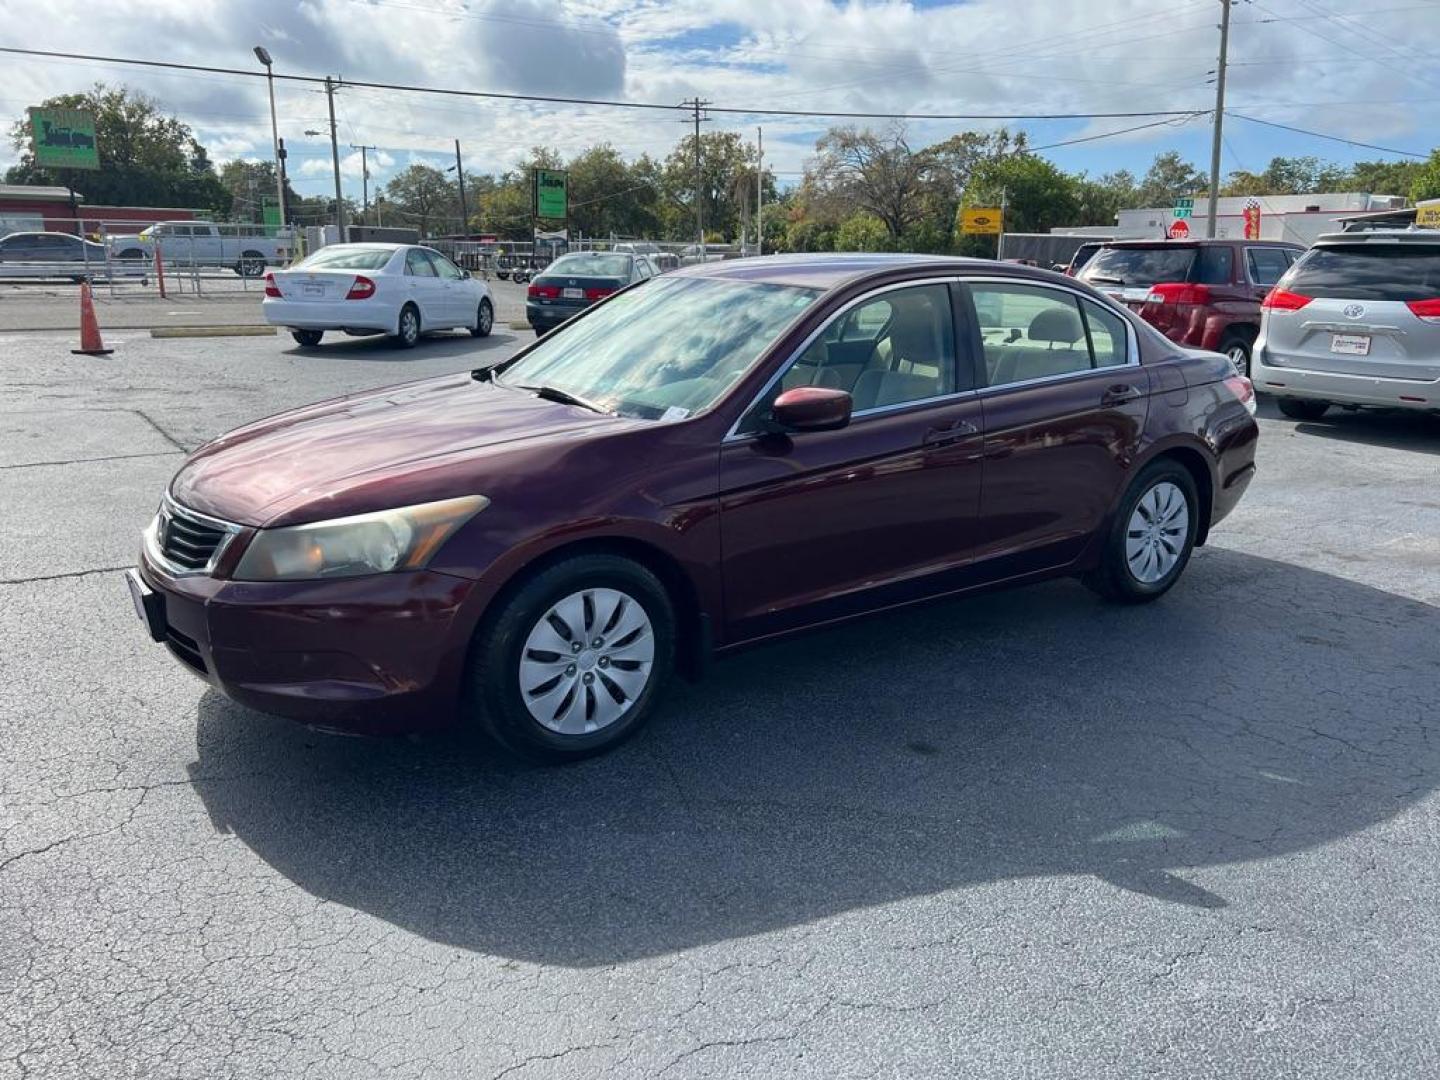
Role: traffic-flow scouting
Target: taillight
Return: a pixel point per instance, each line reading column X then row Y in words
column 363, row 289
column 544, row 292
column 271, row 289
column 599, row 294
column 1244, row 391
column 1278, row 299
column 1178, row 292
column 1429, row 310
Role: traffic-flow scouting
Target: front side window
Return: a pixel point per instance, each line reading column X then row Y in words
column 670, row 349
column 1033, row 332
column 892, row 349
column 445, row 267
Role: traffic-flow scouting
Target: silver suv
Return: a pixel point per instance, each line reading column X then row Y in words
column 1355, row 322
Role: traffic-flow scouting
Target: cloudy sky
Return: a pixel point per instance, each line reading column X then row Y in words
column 1369, row 72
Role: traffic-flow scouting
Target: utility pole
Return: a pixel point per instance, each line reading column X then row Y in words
column 1219, row 117
column 460, row 177
column 335, row 158
column 697, row 106
column 364, row 181
column 759, row 190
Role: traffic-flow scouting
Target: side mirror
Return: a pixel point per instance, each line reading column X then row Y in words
column 811, row 408
column 465, row 274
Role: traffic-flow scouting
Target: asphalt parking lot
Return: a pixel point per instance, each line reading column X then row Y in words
column 1024, row 835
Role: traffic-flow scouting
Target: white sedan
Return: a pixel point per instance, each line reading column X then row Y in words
column 398, row 289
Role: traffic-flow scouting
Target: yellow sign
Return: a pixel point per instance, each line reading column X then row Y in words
column 1427, row 214
column 980, row 219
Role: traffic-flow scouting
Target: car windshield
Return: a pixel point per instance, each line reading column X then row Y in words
column 1369, row 271
column 1140, row 266
column 611, row 266
column 347, row 258
column 668, row 348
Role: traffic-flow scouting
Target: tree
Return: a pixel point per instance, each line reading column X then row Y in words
column 1426, row 184
column 956, row 157
column 1038, row 196
column 1383, row 177
column 250, row 183
column 724, row 155
column 608, row 196
column 877, row 173
column 1288, row 176
column 862, row 231
column 423, row 196
column 146, row 157
column 1169, row 178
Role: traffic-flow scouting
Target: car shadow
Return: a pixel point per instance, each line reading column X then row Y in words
column 1259, row 709
column 378, row 348
column 1390, row 429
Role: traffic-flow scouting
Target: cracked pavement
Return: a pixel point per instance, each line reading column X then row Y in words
column 1021, row 835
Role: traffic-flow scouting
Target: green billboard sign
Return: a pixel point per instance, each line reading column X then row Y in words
column 64, row 138
column 551, row 200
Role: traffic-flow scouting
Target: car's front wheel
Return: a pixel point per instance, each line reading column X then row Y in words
column 574, row 661
column 1302, row 409
column 1151, row 536
column 407, row 327
column 308, row 338
column 484, row 320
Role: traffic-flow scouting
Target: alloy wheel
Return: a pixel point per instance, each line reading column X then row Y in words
column 409, row 326
column 1155, row 535
column 587, row 661
column 1240, row 358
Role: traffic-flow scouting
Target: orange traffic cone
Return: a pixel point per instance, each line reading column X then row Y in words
column 90, row 342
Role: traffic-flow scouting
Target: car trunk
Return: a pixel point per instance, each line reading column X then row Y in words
column 314, row 285
column 1359, row 309
column 566, row 292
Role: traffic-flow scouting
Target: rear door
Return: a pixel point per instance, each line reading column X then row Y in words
column 1065, row 401
column 424, row 287
column 1372, row 308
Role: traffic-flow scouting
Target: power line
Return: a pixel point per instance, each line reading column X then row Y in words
column 496, row 95
column 1322, row 135
column 1121, row 131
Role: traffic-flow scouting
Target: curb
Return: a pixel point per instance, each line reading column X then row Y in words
column 211, row 331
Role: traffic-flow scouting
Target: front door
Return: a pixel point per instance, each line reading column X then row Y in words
column 817, row 525
column 424, row 287
column 1065, row 403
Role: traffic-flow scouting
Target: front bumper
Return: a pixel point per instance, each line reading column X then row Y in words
column 373, row 314
column 1343, row 389
column 378, row 654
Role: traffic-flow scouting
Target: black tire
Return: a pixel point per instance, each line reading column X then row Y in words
column 484, row 320
column 407, row 328
column 1302, row 409
column 1239, row 345
column 494, row 697
column 251, row 264
column 307, row 338
column 1114, row 579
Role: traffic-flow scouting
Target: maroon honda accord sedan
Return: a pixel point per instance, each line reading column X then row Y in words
column 711, row 458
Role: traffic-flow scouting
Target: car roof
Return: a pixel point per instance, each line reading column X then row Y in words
column 1382, row 236
column 1199, row 241
column 827, row 270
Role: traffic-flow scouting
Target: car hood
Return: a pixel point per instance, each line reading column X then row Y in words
column 368, row 451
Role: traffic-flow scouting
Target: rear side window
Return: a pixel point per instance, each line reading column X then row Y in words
column 1215, row 266
column 1140, row 266
column 1267, row 265
column 1374, row 271
column 1108, row 340
column 418, row 264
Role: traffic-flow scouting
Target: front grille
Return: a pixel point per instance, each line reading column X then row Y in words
column 186, row 541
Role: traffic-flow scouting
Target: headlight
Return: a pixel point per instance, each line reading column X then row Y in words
column 402, row 539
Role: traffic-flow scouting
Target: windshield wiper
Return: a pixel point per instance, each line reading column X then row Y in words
column 564, row 397
column 1106, row 278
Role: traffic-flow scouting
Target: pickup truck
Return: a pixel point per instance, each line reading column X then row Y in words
column 246, row 249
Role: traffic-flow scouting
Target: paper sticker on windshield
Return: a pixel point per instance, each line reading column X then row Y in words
column 674, row 412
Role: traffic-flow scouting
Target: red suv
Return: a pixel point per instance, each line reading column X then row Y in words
column 1202, row 293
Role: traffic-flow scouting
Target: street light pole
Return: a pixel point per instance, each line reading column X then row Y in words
column 759, row 190
column 263, row 55
column 335, row 158
column 364, row 181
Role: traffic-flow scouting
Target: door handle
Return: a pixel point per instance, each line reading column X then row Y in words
column 961, row 429
column 1119, row 394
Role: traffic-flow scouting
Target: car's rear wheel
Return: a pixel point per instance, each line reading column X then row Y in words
column 251, row 264
column 1301, row 409
column 1151, row 536
column 484, row 320
column 307, row 338
column 1238, row 345
column 407, row 327
column 574, row 661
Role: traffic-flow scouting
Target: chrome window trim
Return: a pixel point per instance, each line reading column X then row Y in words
column 735, row 435
column 151, row 539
